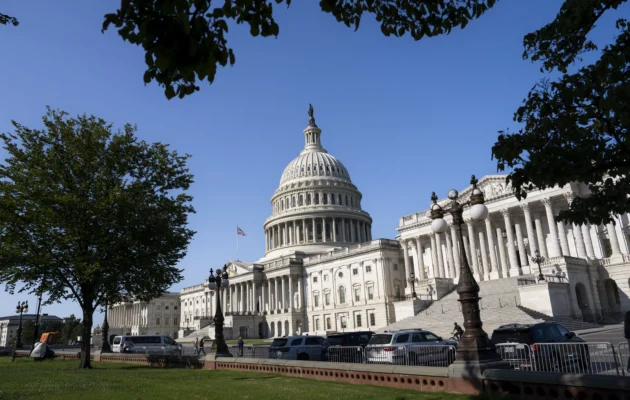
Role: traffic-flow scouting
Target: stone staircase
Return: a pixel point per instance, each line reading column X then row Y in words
column 500, row 305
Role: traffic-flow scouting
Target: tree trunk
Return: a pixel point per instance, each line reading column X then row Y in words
column 86, row 339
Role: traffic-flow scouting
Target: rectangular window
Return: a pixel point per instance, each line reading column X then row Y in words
column 325, row 278
column 372, row 319
column 317, row 324
column 314, row 279
column 370, row 290
column 328, row 323
column 397, row 290
column 358, row 320
column 175, row 321
column 327, row 299
column 157, row 321
column 355, row 271
column 395, row 267
column 343, row 322
column 368, row 268
column 316, row 300
column 357, row 294
column 175, row 307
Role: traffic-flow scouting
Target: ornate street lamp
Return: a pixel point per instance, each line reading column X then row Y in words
column 413, row 280
column 215, row 282
column 538, row 259
column 105, row 347
column 474, row 346
column 36, row 330
column 21, row 308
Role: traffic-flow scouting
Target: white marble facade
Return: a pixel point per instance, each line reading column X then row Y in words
column 594, row 260
column 159, row 316
column 322, row 271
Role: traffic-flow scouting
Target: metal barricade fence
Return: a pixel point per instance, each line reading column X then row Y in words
column 518, row 355
column 314, row 353
column 430, row 355
column 344, row 354
column 575, row 358
column 623, row 353
column 250, row 351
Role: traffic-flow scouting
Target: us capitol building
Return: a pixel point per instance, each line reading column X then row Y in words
column 322, row 270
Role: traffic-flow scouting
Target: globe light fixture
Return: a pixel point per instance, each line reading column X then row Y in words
column 474, row 346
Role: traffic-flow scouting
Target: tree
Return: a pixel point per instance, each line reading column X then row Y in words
column 91, row 215
column 576, row 129
column 185, row 40
column 8, row 20
column 71, row 329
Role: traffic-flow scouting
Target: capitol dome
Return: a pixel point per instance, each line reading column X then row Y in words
column 316, row 207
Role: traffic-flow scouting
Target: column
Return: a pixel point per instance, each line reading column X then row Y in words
column 510, row 243
column 434, row 257
column 614, row 242
column 300, row 304
column 522, row 253
column 540, row 236
column 282, row 293
column 456, row 256
column 304, row 236
column 343, row 230
column 484, row 256
column 352, row 233
column 530, row 229
column 269, row 302
column 564, row 242
column 323, row 230
column 554, row 249
column 406, row 261
column 241, row 288
column 420, row 251
column 501, row 246
column 276, row 299
column 473, row 249
column 579, row 242
column 290, row 292
column 438, row 243
column 494, row 274
column 255, row 298
column 334, row 229
column 586, row 234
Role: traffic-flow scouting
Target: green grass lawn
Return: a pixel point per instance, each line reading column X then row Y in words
column 59, row 379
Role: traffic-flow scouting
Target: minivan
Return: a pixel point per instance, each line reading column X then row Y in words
column 160, row 344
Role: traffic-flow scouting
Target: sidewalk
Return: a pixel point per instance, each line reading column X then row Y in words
column 600, row 329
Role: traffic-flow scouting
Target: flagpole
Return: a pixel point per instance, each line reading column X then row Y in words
column 237, row 243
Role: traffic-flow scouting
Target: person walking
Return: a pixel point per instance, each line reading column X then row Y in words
column 241, row 344
column 626, row 333
column 196, row 346
column 201, row 347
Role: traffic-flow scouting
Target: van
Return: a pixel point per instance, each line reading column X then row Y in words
column 158, row 344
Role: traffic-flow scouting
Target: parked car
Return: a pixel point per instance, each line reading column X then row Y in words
column 297, row 348
column 346, row 346
column 562, row 351
column 157, row 344
column 410, row 347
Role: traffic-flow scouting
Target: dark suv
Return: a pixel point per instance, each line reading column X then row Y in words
column 545, row 346
column 344, row 347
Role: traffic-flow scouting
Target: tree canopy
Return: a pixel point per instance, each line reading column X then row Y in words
column 575, row 129
column 91, row 215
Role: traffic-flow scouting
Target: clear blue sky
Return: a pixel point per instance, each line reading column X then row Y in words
column 405, row 117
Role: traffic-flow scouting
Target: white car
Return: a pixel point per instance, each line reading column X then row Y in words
column 149, row 344
column 297, row 348
column 410, row 347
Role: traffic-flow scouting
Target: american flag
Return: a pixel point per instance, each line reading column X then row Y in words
column 239, row 231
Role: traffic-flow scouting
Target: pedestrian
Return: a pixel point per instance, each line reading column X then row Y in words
column 201, row 347
column 196, row 346
column 240, row 346
column 626, row 331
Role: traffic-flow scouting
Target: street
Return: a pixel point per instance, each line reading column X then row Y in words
column 613, row 336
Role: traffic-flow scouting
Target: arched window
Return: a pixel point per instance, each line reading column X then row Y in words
column 339, row 200
column 346, row 199
column 300, row 200
column 342, row 295
column 316, row 198
column 351, row 201
column 282, row 204
column 332, row 198
column 293, row 201
column 308, row 199
column 324, row 198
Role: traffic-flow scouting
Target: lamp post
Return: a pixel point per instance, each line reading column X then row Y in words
column 474, row 346
column 413, row 280
column 538, row 259
column 105, row 347
column 21, row 308
column 215, row 282
column 36, row 328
